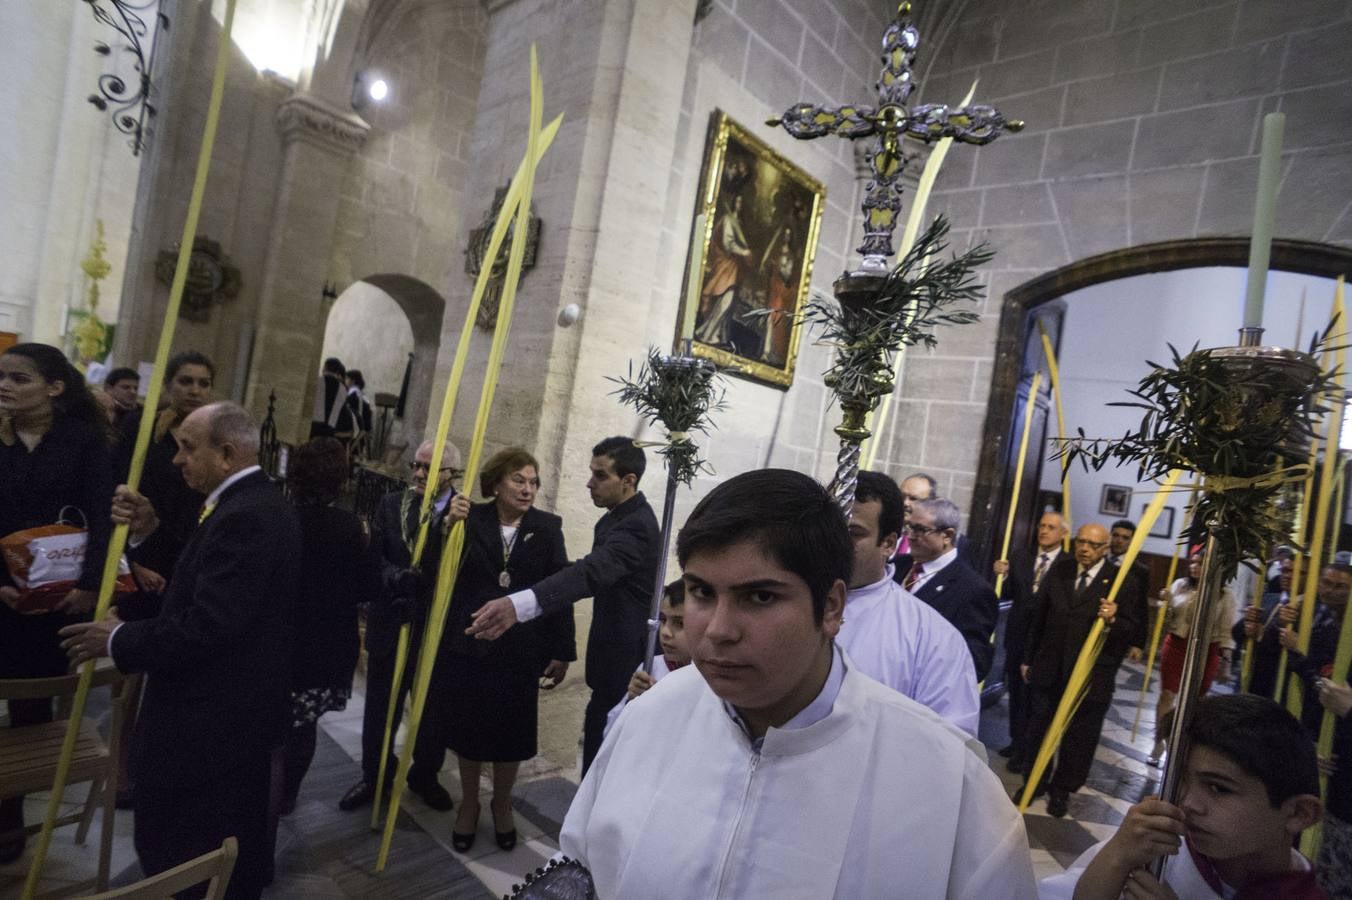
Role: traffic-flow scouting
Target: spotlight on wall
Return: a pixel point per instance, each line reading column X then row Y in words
column 367, row 87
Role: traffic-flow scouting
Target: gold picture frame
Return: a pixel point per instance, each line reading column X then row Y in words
column 762, row 217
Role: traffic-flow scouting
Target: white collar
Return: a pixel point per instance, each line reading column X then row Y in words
column 935, row 565
column 1092, row 570
column 214, row 497
column 1051, row 554
column 867, row 594
column 814, row 712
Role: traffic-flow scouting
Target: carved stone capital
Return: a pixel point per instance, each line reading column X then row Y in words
column 304, row 117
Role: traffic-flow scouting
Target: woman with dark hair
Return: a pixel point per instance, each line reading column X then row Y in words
column 338, row 571
column 493, row 686
column 188, row 379
column 53, row 460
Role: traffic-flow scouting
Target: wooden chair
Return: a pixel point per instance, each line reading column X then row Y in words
column 29, row 755
column 216, row 866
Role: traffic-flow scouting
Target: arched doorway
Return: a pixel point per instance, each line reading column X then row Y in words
column 383, row 325
column 1018, row 354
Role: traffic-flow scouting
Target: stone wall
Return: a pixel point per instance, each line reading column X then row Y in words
column 402, row 204
column 1144, row 122
column 753, row 60
column 237, row 208
column 637, row 83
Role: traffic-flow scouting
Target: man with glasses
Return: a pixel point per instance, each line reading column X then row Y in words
column 934, row 573
column 407, row 598
column 1073, row 594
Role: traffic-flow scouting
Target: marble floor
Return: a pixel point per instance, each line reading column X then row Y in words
column 324, row 853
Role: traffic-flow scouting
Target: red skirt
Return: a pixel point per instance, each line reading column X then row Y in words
column 1171, row 664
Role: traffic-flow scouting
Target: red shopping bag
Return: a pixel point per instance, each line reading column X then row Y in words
column 45, row 563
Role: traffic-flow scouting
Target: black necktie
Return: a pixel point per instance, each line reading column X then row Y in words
column 1083, row 582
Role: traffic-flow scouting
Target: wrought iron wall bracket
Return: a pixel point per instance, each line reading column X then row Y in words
column 128, row 100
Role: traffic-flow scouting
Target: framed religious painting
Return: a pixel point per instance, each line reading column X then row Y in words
column 752, row 260
column 1115, row 500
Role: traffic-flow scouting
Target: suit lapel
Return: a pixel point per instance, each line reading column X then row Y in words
column 934, row 587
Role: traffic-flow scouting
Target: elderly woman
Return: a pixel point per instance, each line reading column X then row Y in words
column 1180, row 597
column 54, row 465
column 494, row 685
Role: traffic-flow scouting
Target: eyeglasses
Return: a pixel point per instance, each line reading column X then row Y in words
column 418, row 466
column 922, row 530
column 1096, row 545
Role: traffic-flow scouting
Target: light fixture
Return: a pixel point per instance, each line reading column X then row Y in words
column 367, row 87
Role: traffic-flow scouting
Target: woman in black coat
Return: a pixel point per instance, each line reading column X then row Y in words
column 337, row 571
column 493, row 686
column 54, row 458
column 188, row 379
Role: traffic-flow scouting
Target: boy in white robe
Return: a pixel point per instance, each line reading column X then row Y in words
column 772, row 767
column 1250, row 788
column 891, row 635
column 675, row 652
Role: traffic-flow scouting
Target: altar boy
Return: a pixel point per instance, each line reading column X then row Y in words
column 772, row 767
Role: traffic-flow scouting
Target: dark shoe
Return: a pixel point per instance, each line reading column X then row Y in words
column 360, row 795
column 462, row 841
column 12, row 850
column 1007, row 751
column 506, row 839
column 1017, row 796
column 432, row 793
column 1058, row 801
column 125, row 800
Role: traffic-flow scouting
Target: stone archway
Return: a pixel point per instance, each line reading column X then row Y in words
column 1017, row 340
column 423, row 307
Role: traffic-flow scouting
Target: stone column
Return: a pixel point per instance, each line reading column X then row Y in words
column 319, row 140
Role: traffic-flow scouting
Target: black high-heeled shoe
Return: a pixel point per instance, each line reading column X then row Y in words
column 506, row 840
column 463, row 842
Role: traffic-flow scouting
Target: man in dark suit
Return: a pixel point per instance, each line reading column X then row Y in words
column 406, row 598
column 1073, row 594
column 217, row 656
column 1024, row 574
column 934, row 573
column 620, row 572
column 1136, row 585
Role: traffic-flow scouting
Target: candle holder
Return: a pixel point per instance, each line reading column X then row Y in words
column 1243, row 418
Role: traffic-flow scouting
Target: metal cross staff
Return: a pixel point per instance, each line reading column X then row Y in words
column 887, row 124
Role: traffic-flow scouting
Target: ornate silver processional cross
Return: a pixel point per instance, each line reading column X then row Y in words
column 887, row 124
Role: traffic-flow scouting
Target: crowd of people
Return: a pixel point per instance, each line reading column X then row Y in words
column 795, row 639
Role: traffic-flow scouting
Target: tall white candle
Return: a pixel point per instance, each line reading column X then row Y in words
column 1265, row 209
column 692, row 286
